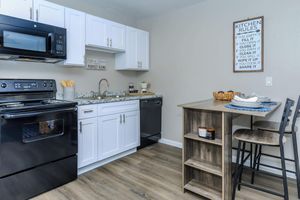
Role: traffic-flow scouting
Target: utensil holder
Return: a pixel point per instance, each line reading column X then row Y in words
column 69, row 93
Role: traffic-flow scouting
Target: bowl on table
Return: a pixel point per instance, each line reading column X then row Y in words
column 225, row 96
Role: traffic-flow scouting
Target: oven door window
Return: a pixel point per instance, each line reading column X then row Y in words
column 24, row 41
column 42, row 130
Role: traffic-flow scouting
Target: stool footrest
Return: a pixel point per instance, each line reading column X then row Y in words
column 278, row 157
column 277, row 168
column 261, row 189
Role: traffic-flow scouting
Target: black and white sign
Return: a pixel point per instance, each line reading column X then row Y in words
column 248, row 45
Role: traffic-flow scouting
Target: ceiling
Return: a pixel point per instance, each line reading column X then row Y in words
column 144, row 8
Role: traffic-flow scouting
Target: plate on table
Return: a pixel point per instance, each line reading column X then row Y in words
column 264, row 99
column 246, row 104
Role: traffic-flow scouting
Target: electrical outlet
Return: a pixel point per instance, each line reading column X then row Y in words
column 269, row 81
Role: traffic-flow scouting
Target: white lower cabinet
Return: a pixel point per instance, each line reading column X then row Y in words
column 130, row 137
column 115, row 130
column 109, row 136
column 87, row 142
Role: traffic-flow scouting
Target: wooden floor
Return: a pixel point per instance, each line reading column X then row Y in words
column 153, row 173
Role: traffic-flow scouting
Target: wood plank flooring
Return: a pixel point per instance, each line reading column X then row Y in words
column 153, row 173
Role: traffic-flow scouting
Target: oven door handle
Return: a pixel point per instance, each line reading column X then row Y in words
column 27, row 141
column 33, row 114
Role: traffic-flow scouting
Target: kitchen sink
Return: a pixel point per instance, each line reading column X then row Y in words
column 102, row 97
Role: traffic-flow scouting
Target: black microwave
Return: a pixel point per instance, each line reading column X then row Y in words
column 25, row 40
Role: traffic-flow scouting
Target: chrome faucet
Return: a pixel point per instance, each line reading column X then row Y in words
column 99, row 87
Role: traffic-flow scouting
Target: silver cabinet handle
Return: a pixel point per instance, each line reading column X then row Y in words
column 120, row 119
column 88, row 111
column 31, row 14
column 107, row 42
column 140, row 64
column 37, row 15
column 124, row 118
column 110, row 42
column 80, row 127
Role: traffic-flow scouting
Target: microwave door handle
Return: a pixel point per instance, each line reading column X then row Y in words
column 51, row 42
column 33, row 114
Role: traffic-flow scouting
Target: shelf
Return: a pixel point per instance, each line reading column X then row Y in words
column 194, row 136
column 204, row 166
column 196, row 187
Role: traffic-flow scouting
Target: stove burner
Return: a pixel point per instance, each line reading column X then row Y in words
column 12, row 105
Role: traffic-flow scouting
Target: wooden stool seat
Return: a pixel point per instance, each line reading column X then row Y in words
column 271, row 126
column 258, row 137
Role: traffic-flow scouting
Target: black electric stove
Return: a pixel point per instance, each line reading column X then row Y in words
column 38, row 138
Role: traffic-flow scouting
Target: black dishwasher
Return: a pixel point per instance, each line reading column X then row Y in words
column 150, row 124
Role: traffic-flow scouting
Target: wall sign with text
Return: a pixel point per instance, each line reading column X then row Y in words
column 248, row 45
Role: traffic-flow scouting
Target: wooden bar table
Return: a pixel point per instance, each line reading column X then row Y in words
column 206, row 165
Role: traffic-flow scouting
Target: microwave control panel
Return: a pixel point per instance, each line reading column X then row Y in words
column 60, row 48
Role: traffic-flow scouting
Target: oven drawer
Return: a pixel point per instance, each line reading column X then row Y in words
column 35, row 181
column 87, row 111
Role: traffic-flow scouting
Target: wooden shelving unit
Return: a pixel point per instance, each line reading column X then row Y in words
column 205, row 162
column 194, row 136
column 196, row 187
column 205, row 166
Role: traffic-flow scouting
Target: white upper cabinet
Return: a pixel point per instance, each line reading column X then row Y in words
column 75, row 25
column 136, row 56
column 17, row 8
column 49, row 13
column 117, row 33
column 96, row 31
column 143, row 50
column 104, row 35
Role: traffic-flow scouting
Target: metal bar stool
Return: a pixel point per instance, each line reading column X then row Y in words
column 290, row 130
column 264, row 138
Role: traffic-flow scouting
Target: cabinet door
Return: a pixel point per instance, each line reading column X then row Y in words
column 143, row 49
column 17, row 8
column 96, row 31
column 131, row 133
column 87, row 142
column 117, row 33
column 49, row 13
column 132, row 51
column 109, row 135
column 75, row 25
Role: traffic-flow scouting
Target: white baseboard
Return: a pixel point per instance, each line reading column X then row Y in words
column 104, row 162
column 171, row 143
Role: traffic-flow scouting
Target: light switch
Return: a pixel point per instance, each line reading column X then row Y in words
column 269, row 81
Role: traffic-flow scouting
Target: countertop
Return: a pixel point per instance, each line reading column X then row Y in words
column 82, row 102
column 219, row 106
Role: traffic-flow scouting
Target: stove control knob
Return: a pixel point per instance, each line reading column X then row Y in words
column 45, row 84
column 3, row 85
column 51, row 84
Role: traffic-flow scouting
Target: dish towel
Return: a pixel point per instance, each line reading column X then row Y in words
column 262, row 109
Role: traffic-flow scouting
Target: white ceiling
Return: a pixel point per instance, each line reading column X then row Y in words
column 144, row 8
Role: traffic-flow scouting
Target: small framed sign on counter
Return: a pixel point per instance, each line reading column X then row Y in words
column 248, row 45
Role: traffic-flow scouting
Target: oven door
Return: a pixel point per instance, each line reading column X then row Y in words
column 34, row 138
column 20, row 41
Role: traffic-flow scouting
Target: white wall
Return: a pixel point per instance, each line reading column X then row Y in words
column 85, row 80
column 191, row 54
